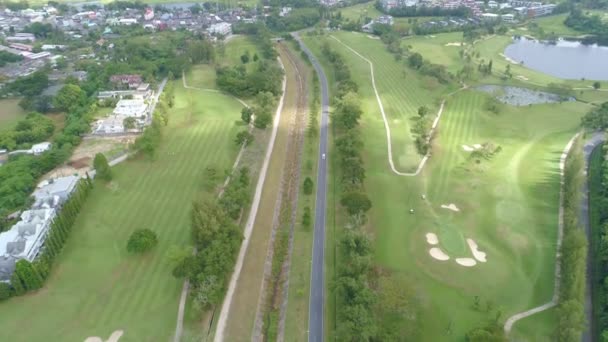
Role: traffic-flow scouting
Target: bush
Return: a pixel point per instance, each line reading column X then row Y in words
column 5, row 291
column 306, row 217
column 243, row 137
column 308, row 186
column 142, row 240
column 262, row 120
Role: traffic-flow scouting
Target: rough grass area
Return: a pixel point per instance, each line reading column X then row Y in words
column 10, row 113
column 554, row 24
column 97, row 287
column 508, row 203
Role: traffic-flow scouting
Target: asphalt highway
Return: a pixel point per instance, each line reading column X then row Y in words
column 317, row 276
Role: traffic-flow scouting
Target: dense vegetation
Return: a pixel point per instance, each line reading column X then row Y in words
column 592, row 24
column 424, row 11
column 141, row 241
column 31, row 276
column 7, row 57
column 33, row 129
column 573, row 253
column 297, row 19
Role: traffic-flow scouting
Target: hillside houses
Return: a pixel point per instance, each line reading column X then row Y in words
column 26, row 239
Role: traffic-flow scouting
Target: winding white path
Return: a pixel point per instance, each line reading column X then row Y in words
column 223, row 317
column 386, row 125
column 560, row 234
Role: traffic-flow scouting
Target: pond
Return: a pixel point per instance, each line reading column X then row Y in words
column 516, row 96
column 564, row 59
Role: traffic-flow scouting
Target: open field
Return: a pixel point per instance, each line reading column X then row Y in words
column 436, row 48
column 97, row 287
column 368, row 10
column 10, row 113
column 507, row 204
column 554, row 24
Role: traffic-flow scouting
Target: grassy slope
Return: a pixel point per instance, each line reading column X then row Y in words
column 513, row 198
column 97, row 288
column 555, row 24
column 10, row 113
column 434, row 48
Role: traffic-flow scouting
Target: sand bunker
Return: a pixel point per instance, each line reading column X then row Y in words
column 521, row 77
column 454, row 44
column 438, row 254
column 477, row 146
column 508, row 59
column 372, row 37
column 116, row 335
column 468, row 148
column 450, row 206
column 432, row 239
column 467, row 262
column 479, row 255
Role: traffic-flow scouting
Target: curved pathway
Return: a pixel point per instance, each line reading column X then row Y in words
column 221, row 322
column 386, row 125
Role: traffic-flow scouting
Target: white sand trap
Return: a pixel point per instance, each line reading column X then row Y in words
column 440, row 255
column 521, row 77
column 432, row 239
column 116, row 335
column 432, row 36
column 466, row 262
column 454, row 44
column 468, row 148
column 372, row 37
column 479, row 255
column 508, row 59
column 451, row 207
column 477, row 146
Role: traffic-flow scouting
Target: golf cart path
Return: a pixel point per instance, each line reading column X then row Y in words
column 223, row 317
column 184, row 294
column 596, row 139
column 386, row 125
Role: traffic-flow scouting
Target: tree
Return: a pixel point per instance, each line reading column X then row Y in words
column 415, row 60
column 255, row 57
column 17, row 285
column 308, row 185
column 129, row 123
column 243, row 137
column 490, row 63
column 246, row 114
column 306, row 217
column 102, row 168
column 5, row 291
column 245, row 57
column 356, row 202
column 423, row 111
column 28, row 274
column 142, row 240
column 70, row 96
column 596, row 85
column 262, row 120
column 208, row 292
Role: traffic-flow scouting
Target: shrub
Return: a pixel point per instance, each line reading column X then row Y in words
column 308, row 185
column 141, row 240
column 5, row 291
column 102, row 168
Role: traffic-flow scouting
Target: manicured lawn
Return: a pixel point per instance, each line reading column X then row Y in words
column 436, row 48
column 508, row 204
column 360, row 11
column 97, row 287
column 555, row 24
column 10, row 113
column 235, row 48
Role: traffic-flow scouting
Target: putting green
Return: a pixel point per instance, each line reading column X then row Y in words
column 451, row 239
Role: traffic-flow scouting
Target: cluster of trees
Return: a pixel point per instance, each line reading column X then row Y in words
column 141, row 241
column 31, row 276
column 217, row 239
column 421, row 130
column 236, row 195
column 298, row 18
column 573, row 253
column 592, row 24
column 103, row 170
column 236, row 80
column 28, row 86
column 7, row 57
column 19, row 175
column 425, row 67
column 148, row 142
column 260, row 34
column 597, row 118
column 356, row 299
column 33, row 129
column 201, row 51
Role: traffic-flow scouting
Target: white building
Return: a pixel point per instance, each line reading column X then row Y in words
column 222, row 28
column 131, row 108
column 25, row 240
column 127, row 21
column 40, row 148
column 508, row 18
column 21, row 37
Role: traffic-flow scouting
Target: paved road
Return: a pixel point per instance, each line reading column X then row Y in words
column 317, row 277
column 595, row 140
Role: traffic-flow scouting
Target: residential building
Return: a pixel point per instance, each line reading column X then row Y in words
column 38, row 149
column 222, row 28
column 21, row 47
column 508, row 18
column 539, row 11
column 52, row 192
column 21, row 37
column 133, row 81
column 149, row 14
column 131, row 108
column 39, row 55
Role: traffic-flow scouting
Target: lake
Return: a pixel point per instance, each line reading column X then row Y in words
column 564, row 59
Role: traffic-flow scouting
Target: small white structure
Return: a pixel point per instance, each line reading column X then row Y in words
column 38, row 149
column 222, row 28
column 111, row 125
column 508, row 18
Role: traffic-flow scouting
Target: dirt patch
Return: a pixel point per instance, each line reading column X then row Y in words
column 80, row 162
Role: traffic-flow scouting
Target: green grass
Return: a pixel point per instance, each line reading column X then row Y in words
column 435, row 49
column 96, row 287
column 360, row 12
column 235, row 48
column 555, row 24
column 509, row 204
column 10, row 113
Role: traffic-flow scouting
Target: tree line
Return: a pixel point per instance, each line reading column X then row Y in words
column 30, row 276
column 592, row 24
column 573, row 258
column 356, row 299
